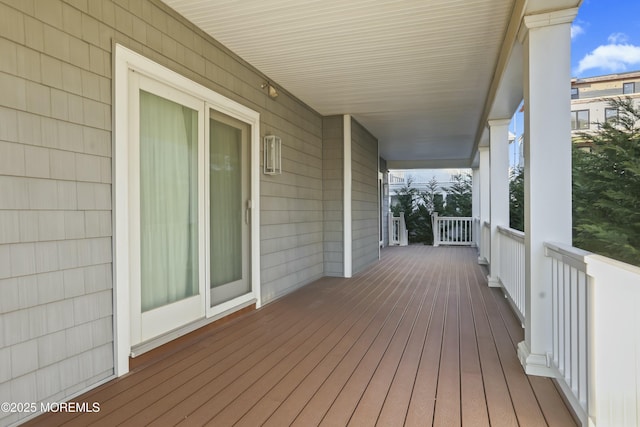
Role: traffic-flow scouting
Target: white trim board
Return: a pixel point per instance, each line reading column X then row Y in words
column 347, row 224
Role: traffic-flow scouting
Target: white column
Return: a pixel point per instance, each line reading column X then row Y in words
column 546, row 39
column 499, row 158
column 485, row 206
column 475, row 204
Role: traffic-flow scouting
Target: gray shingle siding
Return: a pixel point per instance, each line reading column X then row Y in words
column 56, row 83
column 364, row 196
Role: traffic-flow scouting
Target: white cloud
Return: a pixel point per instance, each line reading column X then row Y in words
column 576, row 30
column 612, row 58
column 618, row 38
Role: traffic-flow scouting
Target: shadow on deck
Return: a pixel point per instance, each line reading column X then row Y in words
column 417, row 339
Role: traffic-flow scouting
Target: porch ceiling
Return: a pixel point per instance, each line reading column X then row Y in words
column 419, row 74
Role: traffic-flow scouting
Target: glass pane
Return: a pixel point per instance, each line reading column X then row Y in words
column 168, row 201
column 583, row 119
column 628, row 88
column 226, row 201
column 575, row 94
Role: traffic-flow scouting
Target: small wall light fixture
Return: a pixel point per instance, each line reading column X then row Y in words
column 271, row 89
column 272, row 155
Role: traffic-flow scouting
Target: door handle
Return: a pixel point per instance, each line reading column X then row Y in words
column 246, row 212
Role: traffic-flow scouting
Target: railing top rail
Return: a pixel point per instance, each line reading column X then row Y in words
column 448, row 218
column 567, row 254
column 486, row 224
column 567, row 250
column 603, row 260
column 510, row 232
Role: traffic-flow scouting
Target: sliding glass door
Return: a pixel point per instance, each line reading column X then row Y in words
column 189, row 191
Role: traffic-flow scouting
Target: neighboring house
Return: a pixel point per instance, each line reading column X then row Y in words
column 419, row 179
column 590, row 98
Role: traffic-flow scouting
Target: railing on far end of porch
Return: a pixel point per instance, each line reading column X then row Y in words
column 398, row 234
column 596, row 335
column 452, row 230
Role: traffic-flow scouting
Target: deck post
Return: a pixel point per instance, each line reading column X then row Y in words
column 546, row 39
column 475, row 205
column 499, row 197
column 485, row 207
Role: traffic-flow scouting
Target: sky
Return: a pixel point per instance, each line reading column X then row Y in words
column 605, row 38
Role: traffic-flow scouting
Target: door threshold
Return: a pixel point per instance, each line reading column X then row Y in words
column 166, row 344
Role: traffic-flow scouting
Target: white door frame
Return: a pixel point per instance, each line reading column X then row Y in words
column 124, row 61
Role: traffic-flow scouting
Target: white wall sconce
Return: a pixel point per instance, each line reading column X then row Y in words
column 271, row 89
column 272, row 155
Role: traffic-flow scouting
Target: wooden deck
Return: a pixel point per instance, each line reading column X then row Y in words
column 417, row 339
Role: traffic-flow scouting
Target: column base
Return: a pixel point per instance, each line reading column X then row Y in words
column 482, row 261
column 494, row 282
column 534, row 364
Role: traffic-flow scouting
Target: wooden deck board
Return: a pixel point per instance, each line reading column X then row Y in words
column 447, row 411
column 421, row 406
column 473, row 399
column 399, row 395
column 366, row 352
column 522, row 396
column 417, row 339
column 285, row 388
column 499, row 405
column 364, row 393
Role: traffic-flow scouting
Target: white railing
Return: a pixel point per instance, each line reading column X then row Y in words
column 511, row 272
column 568, row 357
column 485, row 243
column 596, row 335
column 393, row 179
column 398, row 234
column 477, row 230
column 452, row 230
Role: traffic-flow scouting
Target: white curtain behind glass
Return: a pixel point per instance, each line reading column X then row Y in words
column 168, row 201
column 226, row 202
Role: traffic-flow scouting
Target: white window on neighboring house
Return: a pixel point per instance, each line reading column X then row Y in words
column 580, row 120
column 628, row 88
column 575, row 93
column 610, row 114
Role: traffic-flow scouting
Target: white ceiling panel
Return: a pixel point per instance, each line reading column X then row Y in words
column 416, row 73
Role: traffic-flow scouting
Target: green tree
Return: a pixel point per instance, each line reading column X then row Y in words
column 516, row 199
column 432, row 197
column 431, row 201
column 606, row 187
column 418, row 207
column 407, row 202
column 458, row 201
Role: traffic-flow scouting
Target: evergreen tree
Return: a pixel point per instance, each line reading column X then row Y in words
column 432, row 197
column 606, row 187
column 459, row 199
column 516, row 199
column 407, row 202
column 431, row 202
